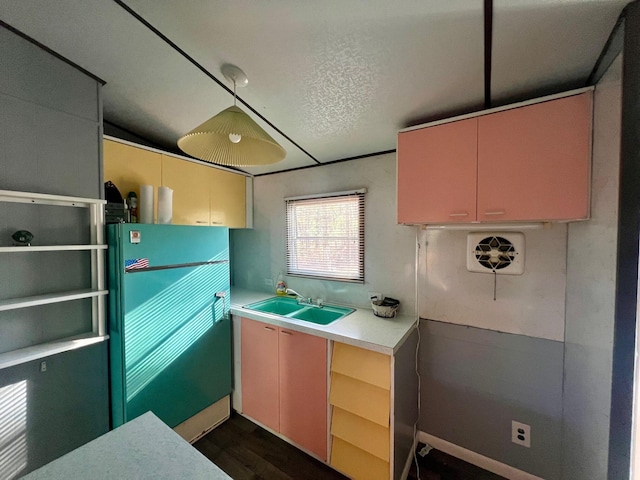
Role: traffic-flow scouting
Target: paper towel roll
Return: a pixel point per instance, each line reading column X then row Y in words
column 165, row 204
column 146, row 204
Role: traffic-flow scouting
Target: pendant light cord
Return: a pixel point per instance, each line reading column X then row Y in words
column 495, row 284
column 234, row 91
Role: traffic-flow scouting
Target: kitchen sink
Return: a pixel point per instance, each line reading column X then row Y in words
column 290, row 308
column 276, row 305
column 322, row 316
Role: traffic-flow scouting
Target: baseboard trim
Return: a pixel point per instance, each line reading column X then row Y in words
column 407, row 463
column 196, row 427
column 474, row 458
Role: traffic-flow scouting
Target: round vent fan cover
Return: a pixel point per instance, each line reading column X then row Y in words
column 499, row 252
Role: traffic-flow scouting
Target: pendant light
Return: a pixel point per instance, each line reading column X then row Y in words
column 232, row 138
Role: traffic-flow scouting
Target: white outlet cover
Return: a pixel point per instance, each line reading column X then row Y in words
column 502, row 252
column 521, row 434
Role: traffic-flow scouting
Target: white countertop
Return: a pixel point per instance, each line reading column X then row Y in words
column 144, row 448
column 360, row 328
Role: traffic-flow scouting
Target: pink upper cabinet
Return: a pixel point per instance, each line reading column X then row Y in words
column 534, row 162
column 437, row 173
column 530, row 163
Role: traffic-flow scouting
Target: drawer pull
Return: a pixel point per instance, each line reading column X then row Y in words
column 494, row 213
column 459, row 214
column 271, row 329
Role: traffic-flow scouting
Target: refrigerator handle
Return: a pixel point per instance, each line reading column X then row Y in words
column 223, row 296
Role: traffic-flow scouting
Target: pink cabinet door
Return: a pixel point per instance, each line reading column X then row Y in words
column 303, row 390
column 259, row 357
column 534, row 161
column 437, row 173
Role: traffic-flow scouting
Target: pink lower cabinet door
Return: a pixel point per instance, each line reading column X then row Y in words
column 534, row 162
column 303, row 390
column 259, row 357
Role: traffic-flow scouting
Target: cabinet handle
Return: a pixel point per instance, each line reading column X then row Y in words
column 201, row 221
column 494, row 213
column 271, row 329
column 459, row 214
column 284, row 332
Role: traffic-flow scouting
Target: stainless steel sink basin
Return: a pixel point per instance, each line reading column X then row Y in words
column 288, row 307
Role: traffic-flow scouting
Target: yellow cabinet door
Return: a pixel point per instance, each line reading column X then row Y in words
column 361, row 416
column 228, row 199
column 190, row 184
column 129, row 167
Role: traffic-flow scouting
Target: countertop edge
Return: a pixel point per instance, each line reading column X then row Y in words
column 351, row 329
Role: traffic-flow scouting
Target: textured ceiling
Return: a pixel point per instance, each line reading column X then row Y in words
column 334, row 79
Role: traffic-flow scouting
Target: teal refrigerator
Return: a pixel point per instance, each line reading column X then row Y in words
column 169, row 321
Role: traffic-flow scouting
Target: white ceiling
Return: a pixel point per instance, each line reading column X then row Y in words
column 337, row 77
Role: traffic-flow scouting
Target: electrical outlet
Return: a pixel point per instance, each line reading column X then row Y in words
column 43, row 366
column 268, row 282
column 521, row 434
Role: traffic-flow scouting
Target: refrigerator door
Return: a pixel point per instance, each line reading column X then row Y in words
column 171, row 334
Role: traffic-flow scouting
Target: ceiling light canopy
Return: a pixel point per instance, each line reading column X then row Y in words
column 232, row 138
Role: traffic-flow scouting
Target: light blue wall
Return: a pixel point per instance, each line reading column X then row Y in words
column 476, row 381
column 50, row 142
column 258, row 254
column 48, row 414
column 591, row 273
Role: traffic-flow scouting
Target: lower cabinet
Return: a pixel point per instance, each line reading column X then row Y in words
column 284, row 383
column 361, row 414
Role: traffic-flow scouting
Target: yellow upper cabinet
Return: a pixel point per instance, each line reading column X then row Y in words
column 129, row 167
column 190, row 184
column 227, row 199
column 202, row 195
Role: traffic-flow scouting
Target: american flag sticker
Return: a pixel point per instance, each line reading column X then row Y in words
column 134, row 263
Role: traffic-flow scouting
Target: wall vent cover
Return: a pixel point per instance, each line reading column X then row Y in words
column 499, row 252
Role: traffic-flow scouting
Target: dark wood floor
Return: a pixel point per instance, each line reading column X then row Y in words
column 246, row 451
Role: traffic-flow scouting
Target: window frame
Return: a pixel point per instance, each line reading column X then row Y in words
column 290, row 269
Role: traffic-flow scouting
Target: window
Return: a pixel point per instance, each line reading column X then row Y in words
column 325, row 236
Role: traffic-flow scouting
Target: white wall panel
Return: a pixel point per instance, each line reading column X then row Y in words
column 259, row 254
column 530, row 304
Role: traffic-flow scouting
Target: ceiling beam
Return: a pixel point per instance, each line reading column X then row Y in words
column 621, row 417
column 488, row 44
column 189, row 58
column 610, row 51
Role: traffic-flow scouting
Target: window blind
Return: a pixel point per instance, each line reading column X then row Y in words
column 325, row 236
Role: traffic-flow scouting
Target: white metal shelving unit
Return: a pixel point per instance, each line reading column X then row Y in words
column 97, row 291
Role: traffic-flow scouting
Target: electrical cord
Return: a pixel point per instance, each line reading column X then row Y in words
column 415, row 425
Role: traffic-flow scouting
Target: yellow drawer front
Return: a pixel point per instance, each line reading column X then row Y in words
column 363, row 399
column 365, row 365
column 362, row 433
column 357, row 463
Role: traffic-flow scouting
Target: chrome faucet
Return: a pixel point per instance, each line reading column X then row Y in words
column 303, row 300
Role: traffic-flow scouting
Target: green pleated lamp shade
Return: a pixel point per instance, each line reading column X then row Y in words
column 211, row 141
